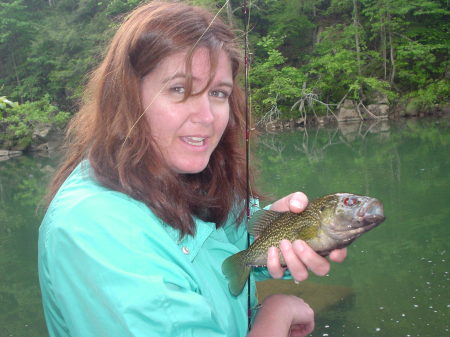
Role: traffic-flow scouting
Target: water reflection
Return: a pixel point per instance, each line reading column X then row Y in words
column 22, row 185
column 398, row 273
column 395, row 281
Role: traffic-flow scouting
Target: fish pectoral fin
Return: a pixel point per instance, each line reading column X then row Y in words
column 260, row 220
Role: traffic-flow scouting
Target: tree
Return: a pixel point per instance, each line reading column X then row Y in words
column 327, row 48
column 16, row 33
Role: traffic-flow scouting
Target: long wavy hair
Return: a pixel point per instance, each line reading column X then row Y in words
column 112, row 133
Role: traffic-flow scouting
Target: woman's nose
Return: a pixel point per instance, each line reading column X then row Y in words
column 201, row 109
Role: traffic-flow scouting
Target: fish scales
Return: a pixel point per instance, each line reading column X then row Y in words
column 330, row 222
column 289, row 226
column 284, row 228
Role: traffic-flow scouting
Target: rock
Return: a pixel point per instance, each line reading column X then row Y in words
column 41, row 133
column 289, row 124
column 274, row 125
column 348, row 103
column 46, row 138
column 348, row 112
column 40, row 148
column 325, row 120
column 379, row 98
column 7, row 154
column 321, row 121
column 379, row 110
column 300, row 122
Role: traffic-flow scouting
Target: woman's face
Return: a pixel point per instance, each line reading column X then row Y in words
column 187, row 132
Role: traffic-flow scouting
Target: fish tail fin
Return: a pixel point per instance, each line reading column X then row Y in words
column 237, row 272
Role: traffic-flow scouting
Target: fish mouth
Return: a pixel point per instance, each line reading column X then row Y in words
column 353, row 233
column 372, row 212
column 347, row 235
column 367, row 217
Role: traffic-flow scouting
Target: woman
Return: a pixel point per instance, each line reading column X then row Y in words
column 148, row 202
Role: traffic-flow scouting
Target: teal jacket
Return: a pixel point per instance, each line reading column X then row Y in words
column 110, row 267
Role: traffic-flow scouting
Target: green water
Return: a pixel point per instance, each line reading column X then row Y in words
column 397, row 275
column 22, row 185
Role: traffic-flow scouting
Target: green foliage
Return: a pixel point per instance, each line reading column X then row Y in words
column 55, row 49
column 417, row 63
column 396, row 53
column 6, row 103
column 419, row 34
column 274, row 84
column 288, row 19
column 427, row 97
column 119, row 7
column 320, row 47
column 18, row 120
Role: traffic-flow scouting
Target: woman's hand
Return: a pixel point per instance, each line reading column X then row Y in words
column 283, row 316
column 299, row 257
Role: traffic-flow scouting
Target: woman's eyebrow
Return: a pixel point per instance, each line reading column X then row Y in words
column 226, row 84
column 183, row 76
column 176, row 75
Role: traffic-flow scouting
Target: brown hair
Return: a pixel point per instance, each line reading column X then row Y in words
column 109, row 129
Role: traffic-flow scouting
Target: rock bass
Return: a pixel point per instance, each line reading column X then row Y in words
column 330, row 222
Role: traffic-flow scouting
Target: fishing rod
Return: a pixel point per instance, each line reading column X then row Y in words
column 247, row 144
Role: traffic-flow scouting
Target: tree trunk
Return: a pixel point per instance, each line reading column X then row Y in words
column 383, row 47
column 15, row 71
column 391, row 52
column 357, row 43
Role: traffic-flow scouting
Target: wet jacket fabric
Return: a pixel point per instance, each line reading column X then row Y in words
column 110, row 267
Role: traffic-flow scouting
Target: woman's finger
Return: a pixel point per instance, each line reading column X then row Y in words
column 273, row 263
column 301, row 330
column 298, row 202
column 295, row 202
column 297, row 269
column 313, row 261
column 338, row 255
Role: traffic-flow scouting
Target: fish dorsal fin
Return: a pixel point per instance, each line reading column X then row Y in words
column 260, row 220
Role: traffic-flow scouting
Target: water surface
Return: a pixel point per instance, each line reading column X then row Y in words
column 395, row 281
column 23, row 182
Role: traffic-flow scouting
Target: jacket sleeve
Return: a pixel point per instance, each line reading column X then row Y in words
column 115, row 272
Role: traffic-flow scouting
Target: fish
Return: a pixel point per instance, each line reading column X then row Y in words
column 330, row 222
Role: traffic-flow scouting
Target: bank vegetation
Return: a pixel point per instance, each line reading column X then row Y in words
column 309, row 59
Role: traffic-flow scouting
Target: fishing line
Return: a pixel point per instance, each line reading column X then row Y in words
column 247, row 149
column 166, row 84
column 247, row 122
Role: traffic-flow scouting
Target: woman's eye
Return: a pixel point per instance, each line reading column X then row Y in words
column 178, row 89
column 219, row 94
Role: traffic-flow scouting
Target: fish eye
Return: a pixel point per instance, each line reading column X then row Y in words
column 351, row 201
column 322, row 208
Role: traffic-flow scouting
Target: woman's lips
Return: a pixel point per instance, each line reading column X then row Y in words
column 194, row 140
